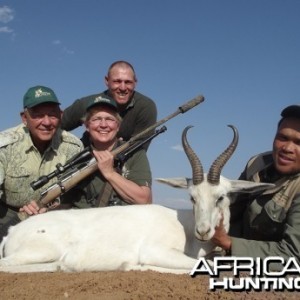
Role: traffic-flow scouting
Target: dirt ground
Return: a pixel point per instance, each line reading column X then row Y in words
column 119, row 285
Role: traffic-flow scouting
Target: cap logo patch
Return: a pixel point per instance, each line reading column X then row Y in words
column 40, row 93
column 101, row 99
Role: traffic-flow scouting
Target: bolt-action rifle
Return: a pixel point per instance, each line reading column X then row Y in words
column 88, row 166
column 83, row 160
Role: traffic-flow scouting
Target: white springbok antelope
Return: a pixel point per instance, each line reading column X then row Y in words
column 133, row 237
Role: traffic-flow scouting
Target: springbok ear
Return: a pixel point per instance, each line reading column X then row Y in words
column 243, row 186
column 179, row 182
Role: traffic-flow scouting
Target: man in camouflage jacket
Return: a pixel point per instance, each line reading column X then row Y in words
column 31, row 150
column 269, row 224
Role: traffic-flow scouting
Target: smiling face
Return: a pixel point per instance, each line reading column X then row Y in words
column 103, row 124
column 286, row 147
column 121, row 82
column 42, row 122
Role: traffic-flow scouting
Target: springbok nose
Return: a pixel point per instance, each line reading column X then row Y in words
column 203, row 232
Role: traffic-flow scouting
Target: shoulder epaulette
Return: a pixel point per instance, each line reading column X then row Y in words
column 70, row 138
column 257, row 163
column 10, row 136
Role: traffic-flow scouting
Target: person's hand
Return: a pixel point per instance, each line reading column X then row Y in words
column 221, row 238
column 105, row 161
column 32, row 208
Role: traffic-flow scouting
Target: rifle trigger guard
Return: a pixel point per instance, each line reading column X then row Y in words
column 54, row 203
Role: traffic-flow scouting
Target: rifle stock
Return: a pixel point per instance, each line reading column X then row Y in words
column 55, row 190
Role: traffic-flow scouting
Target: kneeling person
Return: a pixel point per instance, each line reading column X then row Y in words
column 131, row 180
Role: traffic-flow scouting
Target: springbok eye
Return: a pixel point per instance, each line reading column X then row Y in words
column 193, row 200
column 220, row 199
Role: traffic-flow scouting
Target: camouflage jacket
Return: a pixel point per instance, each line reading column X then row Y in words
column 267, row 224
column 21, row 163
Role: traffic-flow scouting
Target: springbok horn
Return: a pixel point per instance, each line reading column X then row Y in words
column 196, row 165
column 214, row 173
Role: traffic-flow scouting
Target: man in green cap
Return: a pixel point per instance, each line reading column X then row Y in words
column 31, row 150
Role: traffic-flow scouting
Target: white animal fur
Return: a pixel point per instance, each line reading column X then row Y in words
column 136, row 237
column 211, row 203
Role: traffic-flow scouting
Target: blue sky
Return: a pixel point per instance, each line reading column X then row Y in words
column 242, row 55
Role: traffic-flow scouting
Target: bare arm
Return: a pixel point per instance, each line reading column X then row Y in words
column 128, row 190
column 221, row 238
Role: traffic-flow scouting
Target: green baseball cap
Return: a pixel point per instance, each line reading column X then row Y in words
column 37, row 95
column 102, row 100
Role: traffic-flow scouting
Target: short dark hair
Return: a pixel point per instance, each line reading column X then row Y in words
column 292, row 111
column 122, row 63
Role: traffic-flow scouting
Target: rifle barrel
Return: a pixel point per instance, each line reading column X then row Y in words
column 182, row 109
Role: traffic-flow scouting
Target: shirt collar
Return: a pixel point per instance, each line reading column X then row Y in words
column 131, row 101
